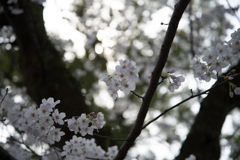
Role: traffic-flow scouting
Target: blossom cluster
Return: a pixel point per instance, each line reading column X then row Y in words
column 81, row 148
column 214, row 61
column 39, row 125
column 176, row 80
column 123, row 78
column 39, row 122
column 85, row 124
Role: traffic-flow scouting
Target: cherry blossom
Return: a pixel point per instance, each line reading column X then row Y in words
column 50, row 102
column 56, row 134
column 87, row 130
column 175, row 81
column 58, row 118
column 123, row 78
column 127, row 86
column 73, row 125
column 214, row 61
column 31, row 113
column 112, row 152
column 83, row 121
column 75, row 141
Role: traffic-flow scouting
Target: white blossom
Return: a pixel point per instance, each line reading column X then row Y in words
column 83, row 121
column 58, row 118
column 75, row 141
column 73, row 125
column 123, row 78
column 56, row 134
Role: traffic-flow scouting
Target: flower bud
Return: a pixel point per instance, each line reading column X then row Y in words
column 231, row 94
column 233, row 70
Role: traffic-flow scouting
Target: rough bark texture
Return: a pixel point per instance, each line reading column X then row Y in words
column 203, row 138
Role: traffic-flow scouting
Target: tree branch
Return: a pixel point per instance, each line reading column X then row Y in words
column 172, row 28
column 192, row 96
column 4, row 97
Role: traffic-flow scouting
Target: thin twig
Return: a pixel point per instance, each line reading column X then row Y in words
column 114, row 139
column 192, row 96
column 4, row 96
column 164, row 23
column 233, row 11
column 137, row 95
column 1, row 115
column 56, row 151
column 161, row 80
column 33, row 152
column 14, row 139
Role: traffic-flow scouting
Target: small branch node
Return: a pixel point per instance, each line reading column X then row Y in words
column 164, row 23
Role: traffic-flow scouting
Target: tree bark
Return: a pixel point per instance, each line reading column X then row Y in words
column 203, row 139
column 43, row 70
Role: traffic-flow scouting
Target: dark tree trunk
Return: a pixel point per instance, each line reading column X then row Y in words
column 43, row 70
column 204, row 135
